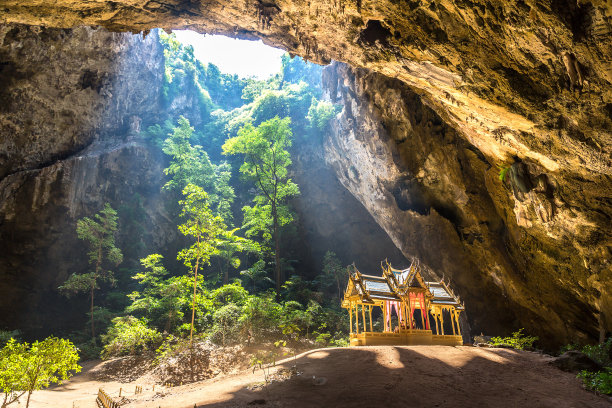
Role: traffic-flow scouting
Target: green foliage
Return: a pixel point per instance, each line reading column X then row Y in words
column 201, row 225
column 264, row 360
column 600, row 353
column 183, row 72
column 229, row 294
column 25, row 368
column 502, row 173
column 129, row 335
column 257, row 275
column 99, row 233
column 190, row 165
column 226, row 326
column 229, row 246
column 297, row 70
column 518, row 341
column 320, row 113
column 600, row 382
column 162, row 301
column 157, row 134
column 6, row 335
column 266, row 162
column 334, row 274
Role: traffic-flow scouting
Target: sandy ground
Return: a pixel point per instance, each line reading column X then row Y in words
column 386, row 376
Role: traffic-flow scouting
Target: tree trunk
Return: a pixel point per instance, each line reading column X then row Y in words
column 28, row 401
column 277, row 266
column 93, row 287
column 93, row 332
column 225, row 272
column 195, row 285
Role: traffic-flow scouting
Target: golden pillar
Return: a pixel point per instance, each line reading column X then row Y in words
column 365, row 329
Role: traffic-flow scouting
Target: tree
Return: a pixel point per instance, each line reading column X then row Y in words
column 191, row 165
column 257, row 274
column 161, row 299
column 100, row 236
column 26, row 368
column 205, row 228
column 231, row 244
column 266, row 162
column 333, row 273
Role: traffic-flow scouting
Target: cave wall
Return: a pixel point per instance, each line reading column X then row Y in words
column 72, row 105
column 71, row 116
column 440, row 198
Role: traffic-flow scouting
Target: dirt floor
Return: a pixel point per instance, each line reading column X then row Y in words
column 386, row 376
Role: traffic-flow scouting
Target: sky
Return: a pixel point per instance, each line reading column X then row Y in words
column 232, row 56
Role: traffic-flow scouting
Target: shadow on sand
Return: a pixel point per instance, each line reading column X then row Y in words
column 434, row 376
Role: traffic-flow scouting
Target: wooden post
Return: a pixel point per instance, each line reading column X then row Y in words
column 350, row 309
column 120, row 391
column 365, row 329
column 370, row 310
column 442, row 320
column 453, row 321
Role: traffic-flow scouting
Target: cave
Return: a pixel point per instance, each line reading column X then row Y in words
column 472, row 136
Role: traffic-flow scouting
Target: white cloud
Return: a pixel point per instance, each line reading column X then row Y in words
column 232, row 56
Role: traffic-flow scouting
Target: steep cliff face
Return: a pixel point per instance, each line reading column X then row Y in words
column 515, row 255
column 81, row 94
column 71, row 112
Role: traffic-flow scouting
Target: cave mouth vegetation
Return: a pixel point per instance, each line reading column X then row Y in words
column 208, row 209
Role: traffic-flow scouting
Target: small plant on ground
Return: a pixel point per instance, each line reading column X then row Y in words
column 600, row 382
column 264, row 361
column 518, row 341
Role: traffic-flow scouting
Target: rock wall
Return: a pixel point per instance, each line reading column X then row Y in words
column 512, row 254
column 70, row 117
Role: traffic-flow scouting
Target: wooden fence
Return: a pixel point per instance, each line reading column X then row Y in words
column 105, row 401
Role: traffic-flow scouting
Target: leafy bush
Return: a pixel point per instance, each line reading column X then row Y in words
column 261, row 316
column 600, row 352
column 226, row 327
column 600, row 382
column 6, row 335
column 129, row 335
column 517, row 341
column 25, row 368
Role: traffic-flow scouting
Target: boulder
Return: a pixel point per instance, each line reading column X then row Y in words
column 575, row 361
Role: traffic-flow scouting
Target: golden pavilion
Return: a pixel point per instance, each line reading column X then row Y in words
column 414, row 311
